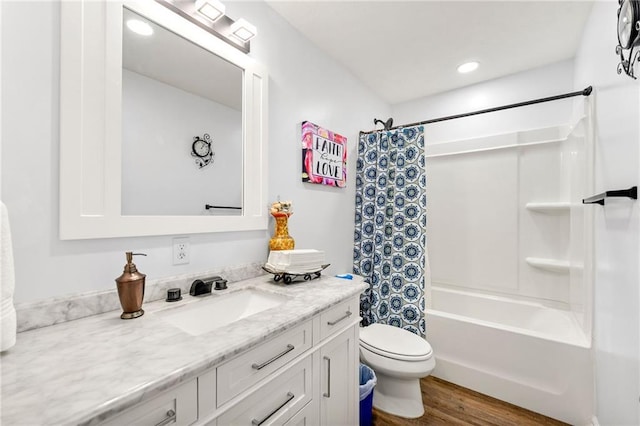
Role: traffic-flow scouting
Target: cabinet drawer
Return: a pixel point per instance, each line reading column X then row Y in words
column 246, row 370
column 178, row 406
column 275, row 402
column 338, row 317
column 306, row 417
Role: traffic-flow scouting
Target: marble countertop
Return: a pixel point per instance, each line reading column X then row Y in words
column 84, row 371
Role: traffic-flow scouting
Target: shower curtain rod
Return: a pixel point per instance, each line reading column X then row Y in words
column 586, row 92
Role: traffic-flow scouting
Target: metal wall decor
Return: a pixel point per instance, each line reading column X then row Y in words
column 202, row 150
column 628, row 47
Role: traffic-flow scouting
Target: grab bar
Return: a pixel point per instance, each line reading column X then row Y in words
column 600, row 198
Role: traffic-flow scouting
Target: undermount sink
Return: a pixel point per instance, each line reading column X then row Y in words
column 217, row 311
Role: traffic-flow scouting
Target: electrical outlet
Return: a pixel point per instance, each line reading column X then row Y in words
column 181, row 251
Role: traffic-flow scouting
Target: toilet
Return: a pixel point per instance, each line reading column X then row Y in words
column 400, row 359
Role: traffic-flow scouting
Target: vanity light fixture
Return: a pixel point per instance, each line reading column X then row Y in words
column 139, row 27
column 211, row 16
column 468, row 67
column 243, row 30
column 212, row 9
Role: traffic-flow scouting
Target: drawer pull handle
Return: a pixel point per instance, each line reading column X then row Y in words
column 171, row 417
column 290, row 347
column 327, row 394
column 255, row 422
column 345, row 316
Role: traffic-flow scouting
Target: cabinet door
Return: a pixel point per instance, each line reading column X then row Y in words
column 338, row 380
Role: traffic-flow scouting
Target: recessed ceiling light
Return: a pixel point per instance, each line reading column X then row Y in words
column 139, row 27
column 468, row 67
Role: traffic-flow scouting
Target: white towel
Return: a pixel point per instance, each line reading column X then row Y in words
column 7, row 284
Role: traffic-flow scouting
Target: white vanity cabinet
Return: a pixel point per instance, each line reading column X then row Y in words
column 312, row 375
column 307, row 375
column 178, row 406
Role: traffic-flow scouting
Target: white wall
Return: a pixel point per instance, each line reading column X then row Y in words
column 617, row 226
column 304, row 85
column 159, row 174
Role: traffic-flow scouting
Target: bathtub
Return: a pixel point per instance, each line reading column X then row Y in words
column 517, row 351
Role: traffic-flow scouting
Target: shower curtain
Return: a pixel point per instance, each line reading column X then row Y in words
column 390, row 223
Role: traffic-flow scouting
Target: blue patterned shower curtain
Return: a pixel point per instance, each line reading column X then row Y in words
column 390, row 238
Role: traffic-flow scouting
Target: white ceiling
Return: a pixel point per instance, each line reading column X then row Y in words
column 405, row 50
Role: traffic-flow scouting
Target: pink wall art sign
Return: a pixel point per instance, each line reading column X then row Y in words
column 324, row 156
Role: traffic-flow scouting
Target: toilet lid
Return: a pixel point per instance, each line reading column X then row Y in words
column 394, row 342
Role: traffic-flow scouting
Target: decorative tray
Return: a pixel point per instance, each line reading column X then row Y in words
column 288, row 277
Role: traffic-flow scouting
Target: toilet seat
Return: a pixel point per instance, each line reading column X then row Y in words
column 387, row 340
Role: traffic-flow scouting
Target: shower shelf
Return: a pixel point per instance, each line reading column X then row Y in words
column 550, row 207
column 553, row 265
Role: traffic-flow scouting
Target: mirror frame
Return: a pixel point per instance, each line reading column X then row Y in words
column 91, row 126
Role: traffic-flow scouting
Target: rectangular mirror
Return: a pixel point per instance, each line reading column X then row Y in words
column 181, row 125
column 155, row 129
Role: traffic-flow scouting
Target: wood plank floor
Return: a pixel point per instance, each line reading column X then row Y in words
column 449, row 404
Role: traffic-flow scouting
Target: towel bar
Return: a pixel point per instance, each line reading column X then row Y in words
column 209, row 206
column 600, row 198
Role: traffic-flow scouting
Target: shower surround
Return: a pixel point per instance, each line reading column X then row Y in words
column 510, row 295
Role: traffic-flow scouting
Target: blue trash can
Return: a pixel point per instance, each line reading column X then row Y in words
column 367, row 383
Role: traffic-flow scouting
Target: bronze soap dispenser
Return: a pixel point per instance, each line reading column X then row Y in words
column 131, row 289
